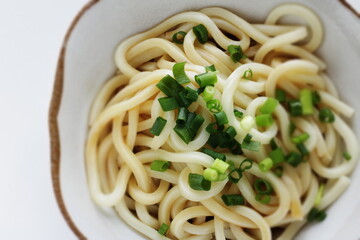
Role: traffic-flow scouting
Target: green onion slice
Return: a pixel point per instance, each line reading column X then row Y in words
column 211, row 175
column 201, row 33
column 233, row 199
column 263, row 198
column 159, row 165
column 246, row 164
column 220, row 166
column 210, row 68
column 294, row 159
column 208, row 93
column 277, row 156
column 319, row 195
column 182, row 116
column 231, row 132
column 248, row 74
column 266, row 164
column 198, row 182
column 278, row 170
column 347, row 156
column 235, row 175
column 221, row 118
column 295, row 108
column 302, row 149
column 214, row 154
column 300, row 138
column 163, row 229
column 235, row 52
column 252, row 146
column 262, row 186
column 214, row 106
column 269, row 106
column 168, row 103
column 176, row 38
column 238, row 114
column 306, row 101
column 326, row 115
column 316, row 98
column 264, row 120
column 158, row 126
column 179, row 73
column 206, row 79
column 280, row 95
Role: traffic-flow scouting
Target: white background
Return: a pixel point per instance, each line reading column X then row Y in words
column 31, row 33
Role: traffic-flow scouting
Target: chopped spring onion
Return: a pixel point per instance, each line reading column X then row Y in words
column 183, row 132
column 269, row 106
column 347, row 156
column 247, row 123
column 235, row 52
column 263, row 198
column 222, row 177
column 295, row 108
column 182, row 115
column 163, row 229
column 210, row 68
column 221, row 118
column 214, row 154
column 278, row 171
column 262, row 186
column 211, row 128
column 208, row 93
column 214, row 106
column 248, row 138
column 179, row 73
column 201, row 33
column 194, row 124
column 292, row 128
column 252, row 146
column 236, row 149
column 294, row 159
column 230, row 131
column 233, row 199
column 159, row 165
column 176, row 38
column 169, row 86
column 316, row 215
column 211, row 174
column 266, row 164
column 198, row 182
column 280, row 95
column 316, row 98
column 213, row 140
column 248, row 74
column 264, row 120
column 205, row 79
column 319, row 195
column 168, row 103
column 238, row 114
column 187, row 97
column 277, row 156
column 306, row 101
column 220, row 166
column 273, row 144
column 302, row 149
column 326, row 115
column 235, row 175
column 158, row 126
column 300, row 138
column 246, row 164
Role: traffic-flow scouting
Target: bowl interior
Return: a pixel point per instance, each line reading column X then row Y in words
column 89, row 63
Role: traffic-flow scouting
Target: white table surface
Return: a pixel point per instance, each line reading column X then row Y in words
column 31, row 33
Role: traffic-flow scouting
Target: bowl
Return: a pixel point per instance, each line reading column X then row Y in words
column 87, row 60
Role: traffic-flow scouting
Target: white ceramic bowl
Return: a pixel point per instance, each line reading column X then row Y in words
column 86, row 61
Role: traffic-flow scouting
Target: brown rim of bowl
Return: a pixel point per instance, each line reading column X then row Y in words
column 350, row 7
column 54, row 110
column 53, row 124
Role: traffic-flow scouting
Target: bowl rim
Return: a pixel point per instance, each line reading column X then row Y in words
column 56, row 97
column 53, row 122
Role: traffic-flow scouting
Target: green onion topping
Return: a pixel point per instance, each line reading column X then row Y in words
column 214, row 154
column 292, row 128
column 319, row 195
column 176, row 38
column 347, row 156
column 246, row 164
column 306, row 101
column 159, row 165
column 294, row 159
column 221, row 118
column 266, row 164
column 201, row 33
column 211, row 175
column 247, row 123
column 235, row 52
column 302, row 149
column 235, row 175
column 182, row 116
column 248, row 74
column 158, row 126
column 263, row 198
column 264, row 120
column 238, row 114
column 197, row 182
column 316, row 215
column 269, row 106
column 220, row 166
column 163, row 229
column 214, row 106
column 295, row 108
column 208, row 93
column 205, row 79
column 210, row 68
column 316, row 98
column 280, row 95
column 278, row 170
column 179, row 73
column 326, row 115
column 277, row 156
column 300, row 138
column 233, row 199
column 262, row 186
column 168, row 103
column 252, row 146
column 231, row 132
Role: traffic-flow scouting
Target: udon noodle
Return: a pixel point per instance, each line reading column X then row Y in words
column 120, row 147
